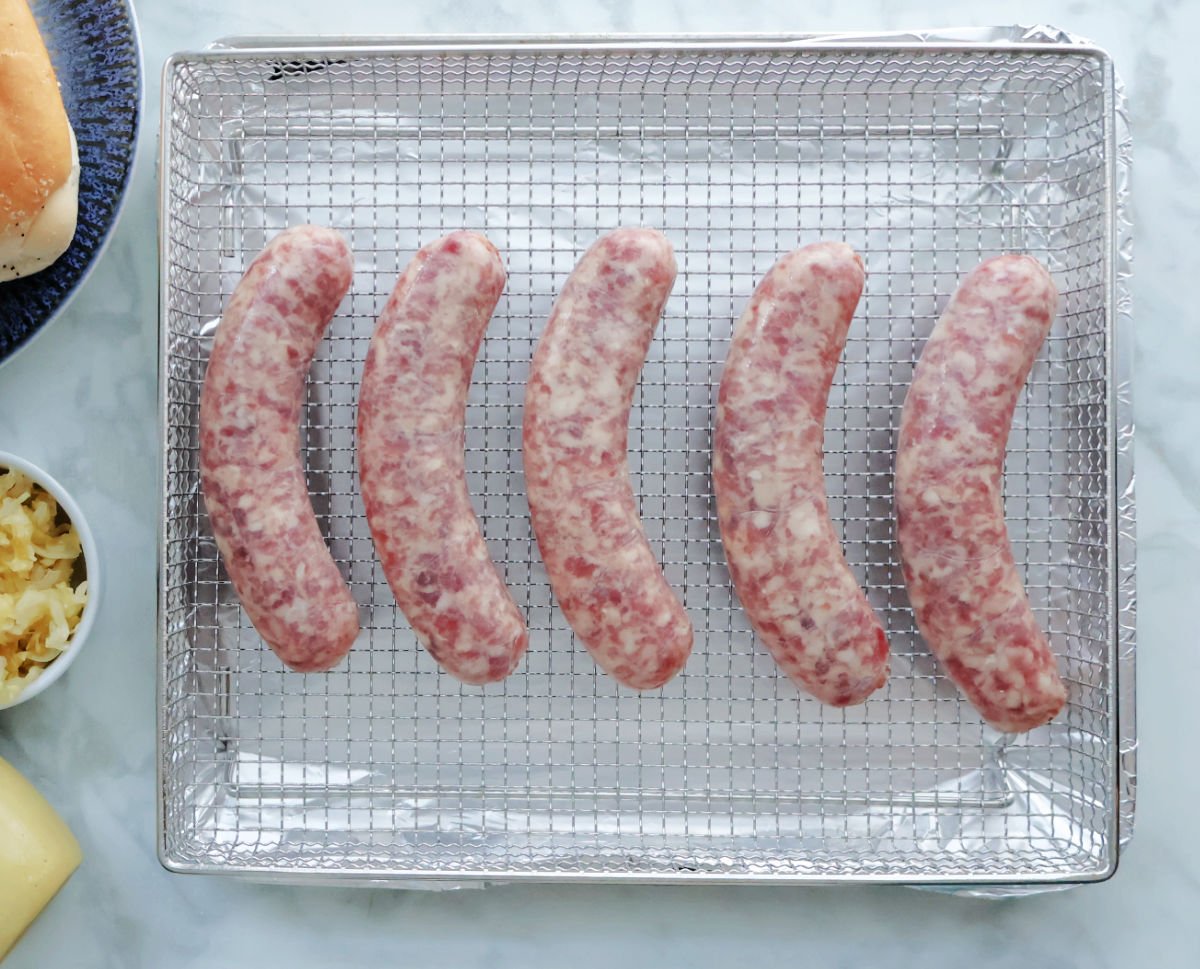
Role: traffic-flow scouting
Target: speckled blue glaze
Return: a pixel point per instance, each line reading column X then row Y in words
column 94, row 47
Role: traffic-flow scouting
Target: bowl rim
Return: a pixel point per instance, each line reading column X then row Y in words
column 55, row 669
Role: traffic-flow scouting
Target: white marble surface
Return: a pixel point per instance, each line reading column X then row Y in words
column 80, row 400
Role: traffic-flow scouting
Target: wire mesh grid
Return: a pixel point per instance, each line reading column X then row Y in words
column 926, row 162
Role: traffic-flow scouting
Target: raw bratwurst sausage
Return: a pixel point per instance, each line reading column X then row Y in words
column 784, row 556
column 411, row 415
column 254, row 487
column 966, row 594
column 577, row 406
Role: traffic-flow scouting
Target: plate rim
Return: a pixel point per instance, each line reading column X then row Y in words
column 122, row 196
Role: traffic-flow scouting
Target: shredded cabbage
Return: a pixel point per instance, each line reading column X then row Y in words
column 39, row 609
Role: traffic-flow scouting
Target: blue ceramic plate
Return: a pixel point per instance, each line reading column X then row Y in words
column 94, row 47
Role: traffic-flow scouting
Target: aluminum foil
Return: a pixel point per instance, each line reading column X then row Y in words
column 387, row 770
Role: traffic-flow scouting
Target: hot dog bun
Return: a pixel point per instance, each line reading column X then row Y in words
column 39, row 162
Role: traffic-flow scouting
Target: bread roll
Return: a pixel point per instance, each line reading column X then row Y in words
column 39, row 162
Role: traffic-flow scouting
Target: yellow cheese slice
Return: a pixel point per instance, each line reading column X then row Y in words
column 37, row 854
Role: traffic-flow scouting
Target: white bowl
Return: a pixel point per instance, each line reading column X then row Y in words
column 91, row 566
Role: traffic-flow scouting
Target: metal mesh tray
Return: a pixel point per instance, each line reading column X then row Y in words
column 926, row 157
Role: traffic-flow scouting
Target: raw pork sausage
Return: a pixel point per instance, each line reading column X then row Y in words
column 784, row 556
column 254, row 487
column 577, row 406
column 411, row 414
column 968, row 599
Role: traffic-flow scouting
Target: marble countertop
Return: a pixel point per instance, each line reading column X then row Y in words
column 89, row 743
